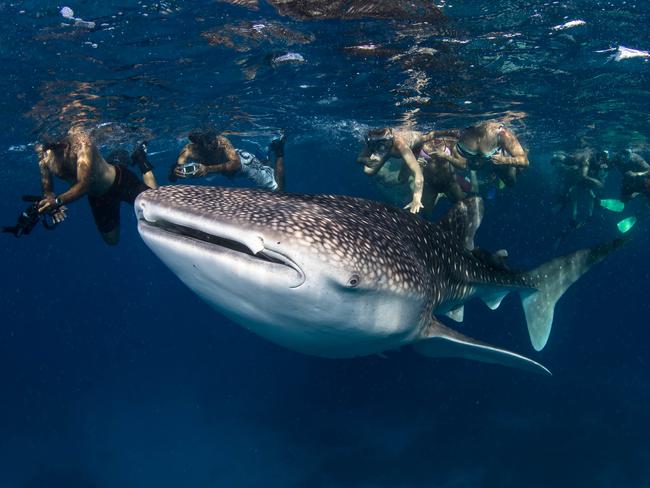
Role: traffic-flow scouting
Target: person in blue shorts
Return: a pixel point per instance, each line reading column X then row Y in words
column 211, row 153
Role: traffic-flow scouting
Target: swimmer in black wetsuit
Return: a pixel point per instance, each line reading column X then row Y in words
column 76, row 160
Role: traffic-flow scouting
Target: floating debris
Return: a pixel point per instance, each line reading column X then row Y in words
column 627, row 53
column 569, row 25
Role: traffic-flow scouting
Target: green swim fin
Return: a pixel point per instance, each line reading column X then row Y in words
column 612, row 204
column 626, row 224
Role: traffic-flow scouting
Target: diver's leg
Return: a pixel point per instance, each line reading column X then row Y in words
column 277, row 146
column 453, row 191
column 590, row 203
column 106, row 213
column 507, row 174
column 139, row 157
column 112, row 237
column 473, row 177
column 279, row 172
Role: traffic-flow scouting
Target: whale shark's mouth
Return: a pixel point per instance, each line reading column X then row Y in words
column 221, row 244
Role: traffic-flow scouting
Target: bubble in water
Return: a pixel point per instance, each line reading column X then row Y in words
column 67, row 12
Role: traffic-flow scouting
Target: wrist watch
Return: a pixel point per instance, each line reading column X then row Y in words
column 58, row 201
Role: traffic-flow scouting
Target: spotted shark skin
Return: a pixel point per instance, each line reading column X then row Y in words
column 338, row 276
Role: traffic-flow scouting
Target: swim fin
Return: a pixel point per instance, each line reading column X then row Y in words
column 626, row 224
column 612, row 204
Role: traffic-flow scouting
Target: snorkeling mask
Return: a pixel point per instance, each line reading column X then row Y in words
column 380, row 143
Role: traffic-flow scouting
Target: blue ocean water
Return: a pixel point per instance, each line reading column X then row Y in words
column 113, row 374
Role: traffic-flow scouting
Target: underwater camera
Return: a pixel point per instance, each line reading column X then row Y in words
column 29, row 218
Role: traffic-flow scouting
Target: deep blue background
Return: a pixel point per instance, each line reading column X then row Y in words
column 113, row 374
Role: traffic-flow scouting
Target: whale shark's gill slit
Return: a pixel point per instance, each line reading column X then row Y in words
column 272, row 255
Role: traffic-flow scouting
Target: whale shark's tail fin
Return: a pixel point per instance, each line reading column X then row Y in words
column 551, row 280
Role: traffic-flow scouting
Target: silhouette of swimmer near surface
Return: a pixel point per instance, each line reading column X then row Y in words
column 337, row 276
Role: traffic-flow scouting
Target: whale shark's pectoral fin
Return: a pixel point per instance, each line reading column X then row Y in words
column 441, row 341
column 457, row 314
column 463, row 220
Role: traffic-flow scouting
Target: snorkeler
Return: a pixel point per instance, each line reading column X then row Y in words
column 209, row 152
column 488, row 146
column 635, row 181
column 583, row 173
column 76, row 160
column 418, row 152
column 635, row 172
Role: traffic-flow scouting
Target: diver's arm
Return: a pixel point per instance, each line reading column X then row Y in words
column 418, row 178
column 636, row 174
column 511, row 145
column 46, row 175
column 456, row 162
column 641, row 164
column 84, row 167
column 584, row 173
column 184, row 155
column 232, row 164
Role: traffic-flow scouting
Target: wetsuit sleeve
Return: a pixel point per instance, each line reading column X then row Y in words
column 84, row 166
column 511, row 145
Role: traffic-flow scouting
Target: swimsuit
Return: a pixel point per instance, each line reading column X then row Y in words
column 252, row 168
column 474, row 155
column 106, row 208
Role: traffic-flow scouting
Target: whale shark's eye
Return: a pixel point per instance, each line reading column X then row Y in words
column 354, row 280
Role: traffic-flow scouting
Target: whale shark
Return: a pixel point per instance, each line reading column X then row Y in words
column 338, row 276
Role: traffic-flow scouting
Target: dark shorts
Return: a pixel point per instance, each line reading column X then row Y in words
column 106, row 208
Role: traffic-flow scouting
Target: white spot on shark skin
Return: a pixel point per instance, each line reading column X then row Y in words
column 568, row 25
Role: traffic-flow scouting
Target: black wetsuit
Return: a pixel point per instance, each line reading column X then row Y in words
column 106, row 208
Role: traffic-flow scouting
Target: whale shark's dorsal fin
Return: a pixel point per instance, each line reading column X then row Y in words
column 463, row 220
column 441, row 341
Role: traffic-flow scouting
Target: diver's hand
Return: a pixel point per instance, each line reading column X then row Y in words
column 59, row 215
column 415, row 206
column 201, row 170
column 596, row 184
column 48, row 203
